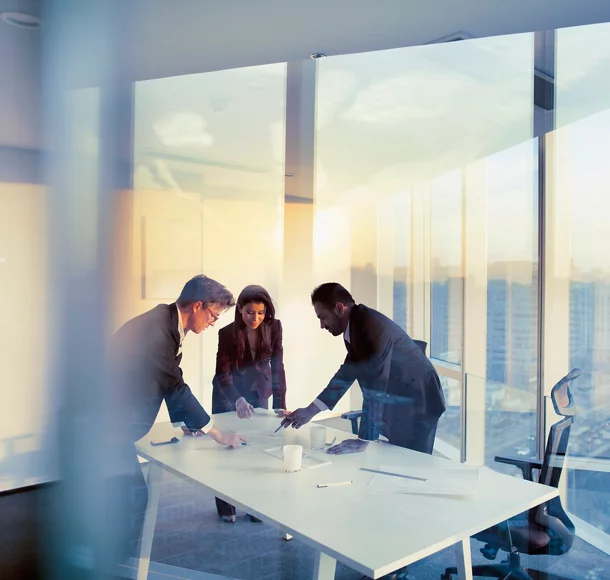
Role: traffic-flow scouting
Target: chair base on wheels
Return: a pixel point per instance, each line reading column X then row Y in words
column 504, row 571
column 490, row 571
column 538, row 575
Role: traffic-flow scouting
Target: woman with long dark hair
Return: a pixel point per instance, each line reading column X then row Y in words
column 249, row 365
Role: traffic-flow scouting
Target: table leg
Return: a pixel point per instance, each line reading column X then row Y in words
column 464, row 559
column 154, row 482
column 324, row 567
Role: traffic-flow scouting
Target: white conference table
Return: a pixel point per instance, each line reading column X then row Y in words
column 370, row 531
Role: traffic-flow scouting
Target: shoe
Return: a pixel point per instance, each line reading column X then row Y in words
column 254, row 519
column 228, row 519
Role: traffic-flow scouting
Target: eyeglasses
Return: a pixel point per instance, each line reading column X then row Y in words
column 214, row 316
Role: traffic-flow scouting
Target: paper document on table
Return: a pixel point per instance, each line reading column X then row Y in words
column 307, row 462
column 255, row 438
column 460, row 481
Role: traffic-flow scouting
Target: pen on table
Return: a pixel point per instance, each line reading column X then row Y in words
column 337, row 484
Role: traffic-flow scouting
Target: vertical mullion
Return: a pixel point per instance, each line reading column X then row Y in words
column 543, row 123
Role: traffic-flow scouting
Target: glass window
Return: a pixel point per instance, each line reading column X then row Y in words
column 389, row 120
column 449, row 426
column 402, row 259
column 583, row 112
column 447, row 283
column 208, row 191
column 512, row 266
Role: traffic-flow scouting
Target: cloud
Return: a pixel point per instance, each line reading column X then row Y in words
column 422, row 94
column 335, row 88
column 183, row 130
column 144, row 178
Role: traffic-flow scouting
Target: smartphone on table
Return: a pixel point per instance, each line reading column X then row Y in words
column 157, row 442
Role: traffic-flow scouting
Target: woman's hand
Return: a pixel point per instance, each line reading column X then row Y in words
column 281, row 412
column 243, row 408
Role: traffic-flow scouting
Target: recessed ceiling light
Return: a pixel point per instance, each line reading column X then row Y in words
column 20, row 19
column 317, row 55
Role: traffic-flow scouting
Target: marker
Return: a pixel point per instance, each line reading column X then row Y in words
column 244, row 443
column 338, row 484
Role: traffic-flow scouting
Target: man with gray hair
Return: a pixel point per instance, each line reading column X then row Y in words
column 146, row 353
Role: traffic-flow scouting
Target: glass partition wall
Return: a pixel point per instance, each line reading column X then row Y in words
column 458, row 188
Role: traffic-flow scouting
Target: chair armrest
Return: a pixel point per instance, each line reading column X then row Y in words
column 525, row 465
column 353, row 416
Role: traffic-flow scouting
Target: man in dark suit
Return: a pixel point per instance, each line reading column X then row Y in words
column 145, row 364
column 403, row 398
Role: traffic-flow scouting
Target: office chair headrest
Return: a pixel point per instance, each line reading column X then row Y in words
column 563, row 402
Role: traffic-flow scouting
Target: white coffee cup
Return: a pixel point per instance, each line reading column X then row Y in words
column 293, row 457
column 317, row 436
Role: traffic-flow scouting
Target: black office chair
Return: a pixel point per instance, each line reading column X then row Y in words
column 546, row 529
column 354, row 416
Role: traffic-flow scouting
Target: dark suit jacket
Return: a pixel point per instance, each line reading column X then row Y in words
column 266, row 377
column 146, row 367
column 400, row 386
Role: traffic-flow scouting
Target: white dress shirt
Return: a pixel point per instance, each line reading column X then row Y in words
column 182, row 334
column 317, row 402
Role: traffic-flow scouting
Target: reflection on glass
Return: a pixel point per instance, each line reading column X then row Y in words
column 507, row 423
column 390, row 120
column 448, row 430
column 512, row 266
column 583, row 109
column 24, row 455
column 208, row 189
column 402, row 260
column 394, row 118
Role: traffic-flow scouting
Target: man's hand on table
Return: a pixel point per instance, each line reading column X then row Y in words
column 233, row 440
column 243, row 408
column 281, row 412
column 192, row 432
column 348, row 446
column 300, row 417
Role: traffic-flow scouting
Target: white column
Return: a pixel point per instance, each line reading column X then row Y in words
column 557, row 271
column 299, row 217
column 474, row 345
